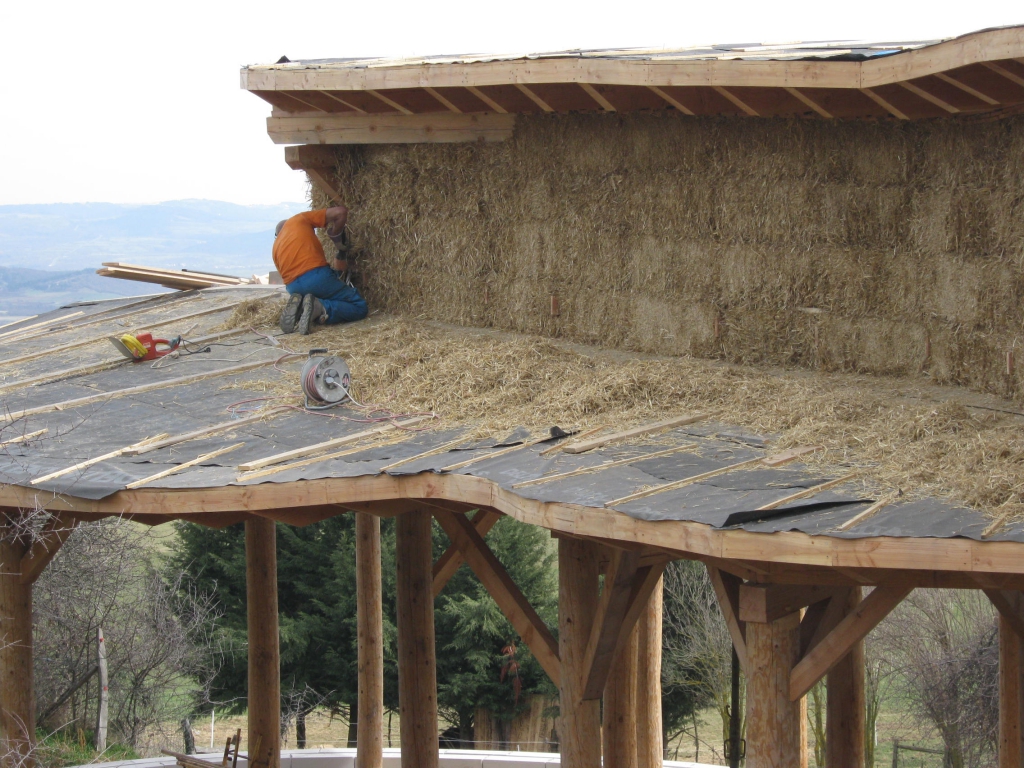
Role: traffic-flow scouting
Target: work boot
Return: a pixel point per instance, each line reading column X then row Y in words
column 312, row 312
column 290, row 313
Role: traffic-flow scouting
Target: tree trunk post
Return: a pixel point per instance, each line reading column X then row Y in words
column 620, row 707
column 846, row 708
column 370, row 632
column 650, row 751
column 1011, row 696
column 17, row 686
column 774, row 723
column 417, row 672
column 579, row 727
column 264, row 643
column 101, row 710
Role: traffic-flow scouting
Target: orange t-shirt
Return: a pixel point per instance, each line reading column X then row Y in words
column 297, row 248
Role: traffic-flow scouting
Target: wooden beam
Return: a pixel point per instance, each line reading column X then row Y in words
column 803, row 98
column 534, row 97
column 512, row 602
column 264, row 701
column 369, row 643
column 628, row 586
column 619, row 722
column 966, row 88
column 649, row 749
column 884, row 104
column 767, row 602
column 417, row 668
column 487, row 100
column 596, row 95
column 846, row 707
column 1010, row 605
column 643, row 429
column 1011, row 696
column 674, row 102
column 435, row 127
column 773, row 727
column 847, row 633
column 17, row 683
column 749, row 110
column 580, row 728
column 448, row 563
column 57, row 530
column 727, row 590
column 301, row 157
column 443, row 101
column 1004, row 72
column 918, row 91
column 390, row 102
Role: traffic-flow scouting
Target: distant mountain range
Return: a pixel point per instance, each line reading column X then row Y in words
column 48, row 253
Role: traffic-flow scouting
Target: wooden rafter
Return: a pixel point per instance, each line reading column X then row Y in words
column 673, row 101
column 797, row 94
column 57, row 530
column 1004, row 72
column 506, row 594
column 884, row 104
column 722, row 91
column 390, row 102
column 853, row 628
column 1010, row 604
column 443, row 101
column 596, row 95
column 344, row 103
column 308, row 103
column 966, row 88
column 448, row 563
column 487, row 100
column 627, row 587
column 534, row 98
column 727, row 590
column 930, row 97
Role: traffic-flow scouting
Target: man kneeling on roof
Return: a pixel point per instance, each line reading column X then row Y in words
column 319, row 295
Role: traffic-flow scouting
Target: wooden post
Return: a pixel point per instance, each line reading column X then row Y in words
column 370, row 632
column 1011, row 696
column 620, row 721
column 648, row 680
column 264, row 643
column 846, row 709
column 579, row 727
column 17, row 687
column 773, row 721
column 101, row 710
column 417, row 672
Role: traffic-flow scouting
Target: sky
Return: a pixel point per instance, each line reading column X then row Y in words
column 139, row 102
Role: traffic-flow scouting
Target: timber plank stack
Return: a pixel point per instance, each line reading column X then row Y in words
column 181, row 280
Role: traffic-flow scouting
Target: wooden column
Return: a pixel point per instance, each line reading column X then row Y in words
column 17, row 688
column 264, row 643
column 1011, row 696
column 773, row 721
column 370, row 631
column 579, row 726
column 417, row 672
column 620, row 721
column 648, row 680
column 846, row 708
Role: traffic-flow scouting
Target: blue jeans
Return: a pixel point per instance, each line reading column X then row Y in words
column 342, row 302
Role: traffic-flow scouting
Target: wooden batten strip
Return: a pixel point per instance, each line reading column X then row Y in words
column 391, row 103
column 443, row 101
column 46, row 378
column 605, row 465
column 355, row 437
column 90, row 462
column 868, row 513
column 6, row 337
column 806, row 100
column 425, row 454
column 644, row 429
column 24, row 438
column 534, row 98
column 673, row 101
column 15, row 322
column 808, row 492
column 736, row 100
column 317, row 459
column 487, row 100
column 966, row 88
column 596, row 95
column 561, row 446
column 223, row 426
column 883, row 104
column 495, row 454
column 186, row 465
column 113, row 395
column 918, row 91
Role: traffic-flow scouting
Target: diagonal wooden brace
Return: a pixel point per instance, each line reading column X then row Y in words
column 727, row 590
column 628, row 586
column 448, row 563
column 512, row 602
column 1010, row 605
column 853, row 628
column 46, row 547
column 317, row 162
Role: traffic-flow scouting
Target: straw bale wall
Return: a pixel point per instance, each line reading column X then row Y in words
column 882, row 247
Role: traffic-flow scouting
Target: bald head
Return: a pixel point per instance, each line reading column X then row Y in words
column 280, row 225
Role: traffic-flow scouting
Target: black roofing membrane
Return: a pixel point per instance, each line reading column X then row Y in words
column 728, row 500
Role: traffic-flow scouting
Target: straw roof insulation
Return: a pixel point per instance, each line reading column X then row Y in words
column 864, row 247
column 907, row 435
